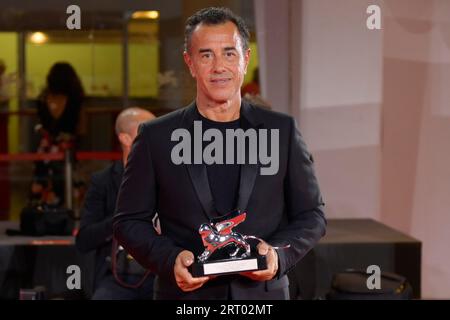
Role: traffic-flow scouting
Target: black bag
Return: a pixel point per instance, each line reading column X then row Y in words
column 352, row 285
column 46, row 221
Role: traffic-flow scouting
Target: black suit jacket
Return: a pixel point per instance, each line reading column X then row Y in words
column 285, row 208
column 96, row 224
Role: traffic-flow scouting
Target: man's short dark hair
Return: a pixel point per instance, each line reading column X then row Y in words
column 215, row 16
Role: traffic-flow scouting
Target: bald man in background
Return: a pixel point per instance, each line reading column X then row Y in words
column 97, row 213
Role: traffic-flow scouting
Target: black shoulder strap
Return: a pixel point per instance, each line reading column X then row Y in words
column 115, row 246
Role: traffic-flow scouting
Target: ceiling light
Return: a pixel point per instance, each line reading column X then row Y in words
column 38, row 38
column 145, row 15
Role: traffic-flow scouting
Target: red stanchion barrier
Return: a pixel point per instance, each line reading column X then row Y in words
column 88, row 155
column 59, row 156
column 12, row 157
column 7, row 158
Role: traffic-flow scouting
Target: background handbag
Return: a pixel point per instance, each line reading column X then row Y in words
column 44, row 220
column 352, row 285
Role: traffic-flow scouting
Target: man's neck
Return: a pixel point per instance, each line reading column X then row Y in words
column 220, row 112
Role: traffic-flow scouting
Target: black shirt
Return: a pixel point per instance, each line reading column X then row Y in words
column 223, row 178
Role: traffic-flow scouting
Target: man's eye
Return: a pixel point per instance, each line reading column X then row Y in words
column 230, row 54
column 206, row 55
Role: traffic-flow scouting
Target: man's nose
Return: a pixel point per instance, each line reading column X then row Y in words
column 219, row 64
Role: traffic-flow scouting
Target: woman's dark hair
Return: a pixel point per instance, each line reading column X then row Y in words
column 63, row 79
column 215, row 16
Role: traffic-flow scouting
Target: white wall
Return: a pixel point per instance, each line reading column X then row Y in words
column 272, row 28
column 374, row 107
column 339, row 116
column 416, row 157
column 340, row 104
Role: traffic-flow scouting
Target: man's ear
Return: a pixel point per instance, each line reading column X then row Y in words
column 188, row 61
column 246, row 59
column 125, row 139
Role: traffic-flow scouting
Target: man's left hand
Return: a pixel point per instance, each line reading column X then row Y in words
column 267, row 250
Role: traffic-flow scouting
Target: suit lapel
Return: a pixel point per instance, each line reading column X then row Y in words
column 199, row 178
column 249, row 172
column 197, row 172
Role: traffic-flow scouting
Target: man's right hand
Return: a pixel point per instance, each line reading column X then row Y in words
column 182, row 275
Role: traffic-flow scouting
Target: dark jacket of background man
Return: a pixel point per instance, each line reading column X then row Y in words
column 96, row 234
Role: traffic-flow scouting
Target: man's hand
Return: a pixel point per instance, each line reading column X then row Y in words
column 267, row 250
column 182, row 275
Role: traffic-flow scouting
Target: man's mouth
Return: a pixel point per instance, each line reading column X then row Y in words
column 220, row 80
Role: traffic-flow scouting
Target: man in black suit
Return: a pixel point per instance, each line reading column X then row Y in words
column 283, row 201
column 98, row 210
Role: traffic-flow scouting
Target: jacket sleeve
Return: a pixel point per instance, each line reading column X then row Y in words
column 95, row 226
column 306, row 221
column 136, row 205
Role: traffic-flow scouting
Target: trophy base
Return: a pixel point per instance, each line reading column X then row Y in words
column 228, row 266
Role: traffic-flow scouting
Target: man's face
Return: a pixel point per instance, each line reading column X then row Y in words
column 217, row 61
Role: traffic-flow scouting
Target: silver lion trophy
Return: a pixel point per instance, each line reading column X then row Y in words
column 226, row 251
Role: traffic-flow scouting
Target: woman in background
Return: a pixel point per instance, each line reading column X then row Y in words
column 59, row 108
